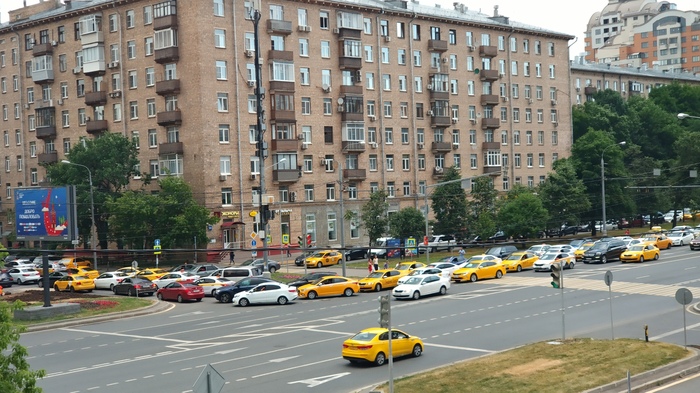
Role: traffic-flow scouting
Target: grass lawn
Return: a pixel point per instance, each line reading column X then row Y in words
column 91, row 307
column 573, row 366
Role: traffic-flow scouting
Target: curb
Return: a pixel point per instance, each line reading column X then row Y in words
column 156, row 307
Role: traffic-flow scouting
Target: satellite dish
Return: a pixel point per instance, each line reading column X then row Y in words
column 340, row 100
column 477, row 71
column 325, row 87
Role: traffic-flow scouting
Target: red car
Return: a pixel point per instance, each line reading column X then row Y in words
column 181, row 291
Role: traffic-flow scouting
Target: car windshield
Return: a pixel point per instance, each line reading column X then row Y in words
column 514, row 257
column 414, row 280
column 649, row 239
column 248, row 262
column 319, row 255
column 537, row 248
column 599, row 246
column 403, row 267
column 446, row 259
column 638, row 247
column 587, row 246
column 472, row 265
column 576, row 243
column 364, row 336
column 376, row 275
column 551, row 255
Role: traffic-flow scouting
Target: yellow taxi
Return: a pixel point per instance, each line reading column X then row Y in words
column 151, row 274
column 658, row 239
column 409, row 265
column 76, row 262
column 372, row 345
column 74, row 283
column 128, row 270
column 479, row 270
column 578, row 254
column 520, row 260
column 324, row 258
column 329, row 286
column 382, row 279
column 89, row 273
column 640, row 253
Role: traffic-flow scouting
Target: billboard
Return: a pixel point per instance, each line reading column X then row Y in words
column 46, row 214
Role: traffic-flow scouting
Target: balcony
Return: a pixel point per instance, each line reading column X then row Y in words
column 165, row 22
column 349, row 34
column 95, row 37
column 353, row 147
column 489, row 99
column 42, row 76
column 489, row 75
column 281, row 86
column 94, row 68
column 351, row 63
column 441, row 147
column 492, row 170
column 439, row 95
column 96, row 126
column 169, row 118
column 354, row 174
column 168, row 88
column 283, row 55
column 590, row 90
column 171, row 148
column 491, row 146
column 284, row 145
column 437, row 46
column 276, row 26
column 45, row 132
column 352, row 116
column 42, row 49
column 357, row 90
column 490, row 122
column 438, row 173
column 488, row 51
column 167, row 55
column 48, row 158
column 440, row 121
column 96, row 98
column 285, row 175
column 283, row 116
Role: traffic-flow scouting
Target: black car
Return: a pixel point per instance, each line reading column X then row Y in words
column 501, row 251
column 301, row 259
column 133, row 286
column 569, row 230
column 272, row 266
column 225, row 294
column 499, row 236
column 356, row 253
column 6, row 280
column 202, row 268
column 604, row 251
column 52, row 278
column 309, row 278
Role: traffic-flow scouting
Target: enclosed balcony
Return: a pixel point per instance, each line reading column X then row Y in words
column 283, row 116
column 168, row 88
column 357, row 90
column 167, row 55
column 354, row 174
column 349, row 34
column 281, row 86
column 441, row 147
column 96, row 98
column 48, row 158
column 46, row 132
column 351, row 63
column 590, row 90
column 169, row 118
column 282, row 55
column 165, row 15
column 488, row 51
column 351, row 116
column 96, row 126
column 440, row 121
column 489, row 99
column 42, row 69
column 490, row 122
column 42, row 49
column 171, row 148
column 277, row 26
column 94, row 68
column 437, row 46
column 353, row 146
column 439, row 95
column 284, row 145
column 492, row 170
column 285, row 175
column 491, row 146
column 489, row 75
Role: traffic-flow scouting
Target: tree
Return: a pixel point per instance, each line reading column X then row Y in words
column 449, row 205
column 564, row 195
column 373, row 215
column 172, row 215
column 481, row 219
column 522, row 213
column 407, row 222
column 111, row 159
column 15, row 374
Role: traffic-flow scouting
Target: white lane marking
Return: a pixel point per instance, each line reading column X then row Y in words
column 459, row 348
column 136, row 337
column 280, row 360
column 684, row 380
column 112, row 384
column 313, row 382
column 672, row 332
column 295, row 367
column 640, row 277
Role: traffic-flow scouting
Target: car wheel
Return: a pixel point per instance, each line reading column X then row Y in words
column 519, row 268
column 473, row 278
column 312, row 295
column 380, row 359
column 225, row 298
column 272, row 269
column 159, row 296
column 641, row 258
column 55, row 288
column 114, row 289
column 180, row 299
column 443, row 290
column 572, row 264
column 212, row 292
column 199, row 299
column 434, row 249
column 243, row 302
column 319, row 265
column 348, row 292
column 656, row 256
column 71, row 289
column 132, row 292
column 378, row 287
column 19, row 281
column 499, row 274
column 111, row 287
column 417, row 351
column 416, row 295
column 604, row 259
column 282, row 300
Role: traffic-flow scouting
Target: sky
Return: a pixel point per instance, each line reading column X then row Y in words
column 564, row 16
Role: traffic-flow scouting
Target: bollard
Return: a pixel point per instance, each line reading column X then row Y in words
column 646, row 333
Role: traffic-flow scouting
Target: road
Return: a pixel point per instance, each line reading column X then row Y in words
column 296, row 348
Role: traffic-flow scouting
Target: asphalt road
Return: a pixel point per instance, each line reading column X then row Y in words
column 296, row 348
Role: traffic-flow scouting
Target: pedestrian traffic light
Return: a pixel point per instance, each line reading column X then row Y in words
column 300, row 241
column 384, row 311
column 557, row 279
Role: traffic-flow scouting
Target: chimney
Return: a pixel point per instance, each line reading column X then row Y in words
column 68, row 4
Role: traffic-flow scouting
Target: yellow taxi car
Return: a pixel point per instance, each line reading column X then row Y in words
column 658, row 239
column 89, row 273
column 329, row 286
column 372, row 345
column 520, row 260
column 382, row 279
column 409, row 265
column 74, row 283
column 128, row 270
column 578, row 254
column 479, row 270
column 640, row 253
column 151, row 274
column 76, row 262
column 324, row 258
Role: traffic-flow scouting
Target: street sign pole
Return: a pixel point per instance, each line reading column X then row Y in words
column 563, row 308
column 608, row 281
column 684, row 297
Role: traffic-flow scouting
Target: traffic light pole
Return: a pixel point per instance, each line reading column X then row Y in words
column 385, row 322
column 563, row 309
column 261, row 144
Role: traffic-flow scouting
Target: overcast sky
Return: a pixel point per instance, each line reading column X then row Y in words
column 565, row 16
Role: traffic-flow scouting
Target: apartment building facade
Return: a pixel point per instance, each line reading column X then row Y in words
column 359, row 95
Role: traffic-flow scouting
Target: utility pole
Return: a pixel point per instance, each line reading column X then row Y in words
column 261, row 144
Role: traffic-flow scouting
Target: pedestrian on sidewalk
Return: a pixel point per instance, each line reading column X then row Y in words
column 370, row 265
column 375, row 261
column 231, row 257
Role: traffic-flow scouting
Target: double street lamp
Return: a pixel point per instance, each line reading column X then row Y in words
column 93, row 229
column 603, row 227
column 682, row 116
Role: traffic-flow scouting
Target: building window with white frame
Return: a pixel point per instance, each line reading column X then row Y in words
column 222, row 102
column 219, row 38
column 221, row 70
column 218, row 7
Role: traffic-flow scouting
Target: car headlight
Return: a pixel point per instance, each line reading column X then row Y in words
column 597, row 254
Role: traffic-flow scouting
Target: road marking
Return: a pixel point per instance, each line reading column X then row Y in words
column 640, row 277
column 280, row 360
column 459, row 348
column 112, row 384
column 313, row 382
column 664, row 387
column 295, row 367
column 125, row 335
column 672, row 332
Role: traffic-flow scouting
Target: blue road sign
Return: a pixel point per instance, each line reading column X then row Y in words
column 253, row 243
column 156, row 242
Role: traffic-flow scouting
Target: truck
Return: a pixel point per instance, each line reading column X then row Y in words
column 385, row 246
column 438, row 242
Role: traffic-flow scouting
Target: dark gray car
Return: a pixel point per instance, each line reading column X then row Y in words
column 272, row 266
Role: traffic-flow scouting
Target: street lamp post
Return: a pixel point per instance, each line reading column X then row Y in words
column 93, row 229
column 603, row 228
column 682, row 116
column 342, row 203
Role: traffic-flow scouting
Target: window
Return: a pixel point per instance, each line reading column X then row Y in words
column 305, row 105
column 309, row 192
column 219, row 38
column 304, row 47
column 131, row 49
column 222, row 102
column 147, row 15
column 133, row 79
column 133, row 110
column 326, row 49
column 148, row 46
column 226, row 196
column 224, row 133
column 65, row 118
column 225, row 165
column 150, row 77
column 221, row 70
column 18, row 137
column 330, row 192
column 218, row 7
column 152, row 138
column 130, row 19
column 136, row 139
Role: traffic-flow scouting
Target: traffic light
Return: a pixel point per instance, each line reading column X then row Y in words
column 300, row 241
column 557, row 279
column 384, row 311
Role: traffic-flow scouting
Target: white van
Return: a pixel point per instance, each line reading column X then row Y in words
column 384, row 242
column 238, row 273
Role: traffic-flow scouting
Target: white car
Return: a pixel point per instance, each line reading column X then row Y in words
column 419, row 272
column 266, row 293
column 561, row 248
column 539, row 249
column 109, row 279
column 422, row 285
column 446, row 267
column 680, row 238
column 632, row 242
column 547, row 260
column 23, row 275
column 481, row 257
column 173, row 277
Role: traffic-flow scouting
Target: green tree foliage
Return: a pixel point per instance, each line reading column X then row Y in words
column 373, row 215
column 481, row 219
column 564, row 195
column 449, row 205
column 15, row 373
column 407, row 222
column 522, row 213
column 111, row 159
column 172, row 215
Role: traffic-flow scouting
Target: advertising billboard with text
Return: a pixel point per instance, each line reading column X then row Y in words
column 46, row 214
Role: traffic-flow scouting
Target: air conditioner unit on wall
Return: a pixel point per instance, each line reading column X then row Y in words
column 454, row 120
column 252, row 177
column 430, row 113
column 421, row 146
column 473, row 121
column 372, row 117
column 387, row 38
column 304, row 146
column 554, row 102
column 504, row 98
column 77, row 70
column 222, row 177
column 336, row 31
column 373, row 145
column 249, row 53
column 251, row 83
column 471, row 48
